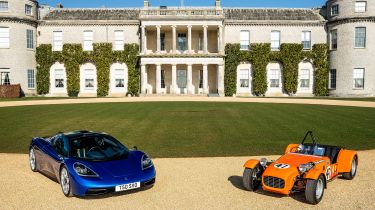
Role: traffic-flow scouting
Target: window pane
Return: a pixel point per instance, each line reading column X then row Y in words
column 334, row 10
column 30, row 39
column 89, row 83
column 119, row 40
column 181, row 41
column 359, row 78
column 306, row 39
column 4, row 37
column 162, row 76
column 120, row 83
column 360, row 37
column 332, row 78
column 89, row 78
column 274, row 76
column 275, row 40
column 119, row 75
column 5, row 78
column 360, row 6
column 162, row 41
column 200, row 78
column 334, row 39
column 244, row 78
column 245, row 40
column 30, row 78
column 57, row 40
column 3, row 6
column 28, row 9
column 88, row 40
column 59, row 78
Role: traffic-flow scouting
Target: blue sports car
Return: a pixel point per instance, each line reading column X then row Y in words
column 89, row 163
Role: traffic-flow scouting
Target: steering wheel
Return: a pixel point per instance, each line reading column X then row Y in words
column 94, row 148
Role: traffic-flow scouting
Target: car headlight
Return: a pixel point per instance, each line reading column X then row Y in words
column 263, row 162
column 305, row 167
column 83, row 170
column 146, row 162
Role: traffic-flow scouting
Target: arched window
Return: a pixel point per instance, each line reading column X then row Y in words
column 244, row 79
column 305, row 77
column 118, row 78
column 88, row 80
column 58, row 81
column 274, row 78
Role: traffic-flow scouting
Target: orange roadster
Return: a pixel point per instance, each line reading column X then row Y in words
column 304, row 167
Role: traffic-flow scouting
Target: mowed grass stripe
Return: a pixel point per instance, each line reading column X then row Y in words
column 193, row 129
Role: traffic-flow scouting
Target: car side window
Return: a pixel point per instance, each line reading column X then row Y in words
column 59, row 146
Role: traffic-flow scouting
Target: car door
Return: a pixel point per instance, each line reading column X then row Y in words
column 54, row 155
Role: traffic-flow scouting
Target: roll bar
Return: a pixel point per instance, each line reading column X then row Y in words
column 312, row 137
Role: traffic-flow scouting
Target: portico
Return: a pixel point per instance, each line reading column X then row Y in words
column 177, row 76
column 179, row 37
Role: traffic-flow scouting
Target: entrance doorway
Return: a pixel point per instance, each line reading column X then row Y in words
column 182, row 80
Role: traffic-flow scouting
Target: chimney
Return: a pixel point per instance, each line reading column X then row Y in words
column 60, row 6
column 146, row 4
column 217, row 4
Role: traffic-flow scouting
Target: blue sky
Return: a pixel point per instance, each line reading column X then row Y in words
column 225, row 3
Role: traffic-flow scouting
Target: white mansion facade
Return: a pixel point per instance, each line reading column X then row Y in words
column 182, row 49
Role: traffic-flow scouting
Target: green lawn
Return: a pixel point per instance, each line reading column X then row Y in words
column 190, row 129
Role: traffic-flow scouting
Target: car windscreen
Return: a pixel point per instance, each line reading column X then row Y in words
column 309, row 149
column 97, row 148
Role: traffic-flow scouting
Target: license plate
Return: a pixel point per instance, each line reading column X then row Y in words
column 129, row 186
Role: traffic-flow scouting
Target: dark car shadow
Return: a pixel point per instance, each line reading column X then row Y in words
column 236, row 181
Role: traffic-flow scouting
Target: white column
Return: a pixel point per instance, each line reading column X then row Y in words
column 174, row 39
column 205, row 79
column 144, row 41
column 220, row 44
column 144, row 79
column 158, row 50
column 190, row 79
column 205, row 41
column 174, row 79
column 189, row 38
column 158, row 79
column 220, row 79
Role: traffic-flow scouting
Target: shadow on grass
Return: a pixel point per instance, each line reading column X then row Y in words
column 236, row 181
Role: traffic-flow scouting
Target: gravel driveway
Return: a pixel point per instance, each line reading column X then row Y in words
column 183, row 183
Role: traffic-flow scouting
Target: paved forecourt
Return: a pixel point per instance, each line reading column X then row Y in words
column 182, row 183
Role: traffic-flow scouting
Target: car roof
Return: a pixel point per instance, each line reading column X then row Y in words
column 75, row 134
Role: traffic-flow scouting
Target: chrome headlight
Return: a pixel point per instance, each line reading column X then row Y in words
column 263, row 162
column 83, row 170
column 146, row 162
column 305, row 167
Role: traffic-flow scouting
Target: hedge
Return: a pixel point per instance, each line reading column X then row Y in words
column 73, row 56
column 289, row 56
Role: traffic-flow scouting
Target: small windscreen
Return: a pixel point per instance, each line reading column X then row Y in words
column 310, row 149
column 97, row 147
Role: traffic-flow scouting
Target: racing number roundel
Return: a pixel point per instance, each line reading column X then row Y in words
column 328, row 173
column 281, row 166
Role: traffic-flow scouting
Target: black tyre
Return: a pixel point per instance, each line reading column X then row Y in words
column 65, row 182
column 353, row 171
column 315, row 190
column 251, row 178
column 32, row 160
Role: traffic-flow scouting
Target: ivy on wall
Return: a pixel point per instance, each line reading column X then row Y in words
column 289, row 56
column 73, row 56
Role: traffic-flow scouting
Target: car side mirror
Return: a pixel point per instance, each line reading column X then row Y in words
column 135, row 148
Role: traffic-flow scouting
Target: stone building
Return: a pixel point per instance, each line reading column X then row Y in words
column 182, row 49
